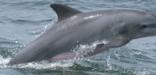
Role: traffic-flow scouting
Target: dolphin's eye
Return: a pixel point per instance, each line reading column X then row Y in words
column 143, row 26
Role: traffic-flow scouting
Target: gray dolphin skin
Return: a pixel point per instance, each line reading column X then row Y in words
column 117, row 26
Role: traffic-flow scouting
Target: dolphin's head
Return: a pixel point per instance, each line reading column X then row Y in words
column 146, row 27
column 139, row 25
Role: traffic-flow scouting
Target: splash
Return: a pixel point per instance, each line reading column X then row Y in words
column 45, row 65
column 3, row 62
column 83, row 49
column 36, row 65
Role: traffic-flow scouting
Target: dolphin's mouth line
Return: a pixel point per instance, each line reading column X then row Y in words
column 151, row 25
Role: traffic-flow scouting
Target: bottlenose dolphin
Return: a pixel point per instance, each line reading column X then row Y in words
column 117, row 26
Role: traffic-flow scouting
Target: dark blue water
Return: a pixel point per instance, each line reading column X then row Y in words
column 21, row 21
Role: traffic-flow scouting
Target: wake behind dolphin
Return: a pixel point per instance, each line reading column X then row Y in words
column 117, row 26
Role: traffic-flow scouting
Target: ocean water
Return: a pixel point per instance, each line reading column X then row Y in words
column 22, row 21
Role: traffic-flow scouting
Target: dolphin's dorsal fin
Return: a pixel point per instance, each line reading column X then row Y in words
column 64, row 11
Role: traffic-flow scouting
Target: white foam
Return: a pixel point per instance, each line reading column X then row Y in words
column 44, row 65
column 84, row 49
column 36, row 65
column 3, row 62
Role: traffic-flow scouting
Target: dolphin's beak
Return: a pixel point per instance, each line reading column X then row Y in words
column 152, row 26
column 150, row 30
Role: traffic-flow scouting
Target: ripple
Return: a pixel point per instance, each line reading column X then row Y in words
column 10, row 72
column 8, row 47
column 100, row 68
column 22, row 21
